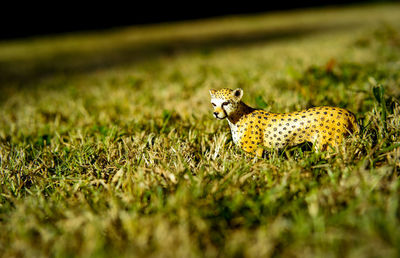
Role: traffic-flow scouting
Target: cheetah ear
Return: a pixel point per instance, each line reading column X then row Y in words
column 212, row 92
column 237, row 94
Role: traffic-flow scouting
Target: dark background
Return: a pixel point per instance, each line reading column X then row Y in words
column 20, row 19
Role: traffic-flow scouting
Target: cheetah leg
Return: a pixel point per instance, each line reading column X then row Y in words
column 317, row 144
column 328, row 149
column 250, row 151
column 320, row 145
column 259, row 152
column 250, row 146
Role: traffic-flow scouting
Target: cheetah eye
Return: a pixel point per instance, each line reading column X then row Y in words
column 213, row 104
column 225, row 103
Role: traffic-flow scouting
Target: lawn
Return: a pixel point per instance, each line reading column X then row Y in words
column 108, row 146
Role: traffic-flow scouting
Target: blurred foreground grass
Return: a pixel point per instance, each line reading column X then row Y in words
column 108, row 146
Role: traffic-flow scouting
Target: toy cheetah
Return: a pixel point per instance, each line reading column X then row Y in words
column 252, row 129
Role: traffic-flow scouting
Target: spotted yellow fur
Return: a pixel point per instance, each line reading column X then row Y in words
column 254, row 129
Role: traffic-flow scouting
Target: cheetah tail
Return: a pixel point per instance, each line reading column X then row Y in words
column 355, row 127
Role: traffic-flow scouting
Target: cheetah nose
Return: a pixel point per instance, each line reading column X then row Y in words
column 216, row 114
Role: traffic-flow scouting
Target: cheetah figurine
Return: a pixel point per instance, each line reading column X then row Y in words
column 254, row 129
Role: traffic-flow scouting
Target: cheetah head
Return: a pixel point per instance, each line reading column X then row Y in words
column 225, row 101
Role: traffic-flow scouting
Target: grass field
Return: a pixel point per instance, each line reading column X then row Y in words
column 108, row 147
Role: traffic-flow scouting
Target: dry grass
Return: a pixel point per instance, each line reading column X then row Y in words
column 108, row 146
